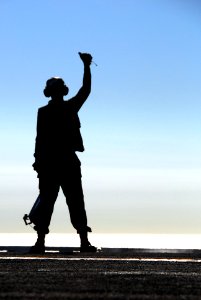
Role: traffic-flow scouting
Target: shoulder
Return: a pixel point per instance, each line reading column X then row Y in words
column 43, row 108
column 72, row 104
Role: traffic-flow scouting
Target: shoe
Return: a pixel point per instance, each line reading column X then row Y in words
column 88, row 248
column 37, row 249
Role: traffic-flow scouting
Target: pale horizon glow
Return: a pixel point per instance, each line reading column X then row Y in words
column 125, row 240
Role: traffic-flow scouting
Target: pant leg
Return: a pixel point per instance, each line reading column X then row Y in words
column 71, row 185
column 49, row 189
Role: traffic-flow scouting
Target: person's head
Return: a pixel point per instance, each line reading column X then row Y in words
column 55, row 86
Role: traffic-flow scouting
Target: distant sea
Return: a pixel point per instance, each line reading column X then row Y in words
column 153, row 241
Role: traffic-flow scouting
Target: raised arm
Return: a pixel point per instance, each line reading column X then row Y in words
column 85, row 90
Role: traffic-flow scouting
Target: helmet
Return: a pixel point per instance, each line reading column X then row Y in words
column 55, row 84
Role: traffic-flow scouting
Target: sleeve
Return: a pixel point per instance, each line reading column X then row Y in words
column 37, row 144
column 78, row 100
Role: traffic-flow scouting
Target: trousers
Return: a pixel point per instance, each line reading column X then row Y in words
column 67, row 176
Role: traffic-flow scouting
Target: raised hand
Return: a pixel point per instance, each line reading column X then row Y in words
column 86, row 58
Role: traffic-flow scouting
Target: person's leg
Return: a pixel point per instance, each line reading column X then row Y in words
column 72, row 188
column 49, row 188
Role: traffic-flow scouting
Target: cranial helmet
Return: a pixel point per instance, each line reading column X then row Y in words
column 55, row 83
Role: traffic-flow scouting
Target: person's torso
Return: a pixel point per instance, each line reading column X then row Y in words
column 58, row 130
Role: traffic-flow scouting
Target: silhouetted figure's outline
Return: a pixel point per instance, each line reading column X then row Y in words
column 58, row 138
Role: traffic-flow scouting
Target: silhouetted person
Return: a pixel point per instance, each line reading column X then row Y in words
column 58, row 138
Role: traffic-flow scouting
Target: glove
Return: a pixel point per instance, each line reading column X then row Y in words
column 86, row 58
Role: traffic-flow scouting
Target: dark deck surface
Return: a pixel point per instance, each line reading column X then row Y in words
column 108, row 274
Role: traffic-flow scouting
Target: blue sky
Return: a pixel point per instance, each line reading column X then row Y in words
column 141, row 124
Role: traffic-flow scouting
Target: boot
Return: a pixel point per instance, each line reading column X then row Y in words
column 85, row 244
column 39, row 247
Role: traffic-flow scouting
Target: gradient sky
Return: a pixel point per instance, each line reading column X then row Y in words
column 141, row 124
